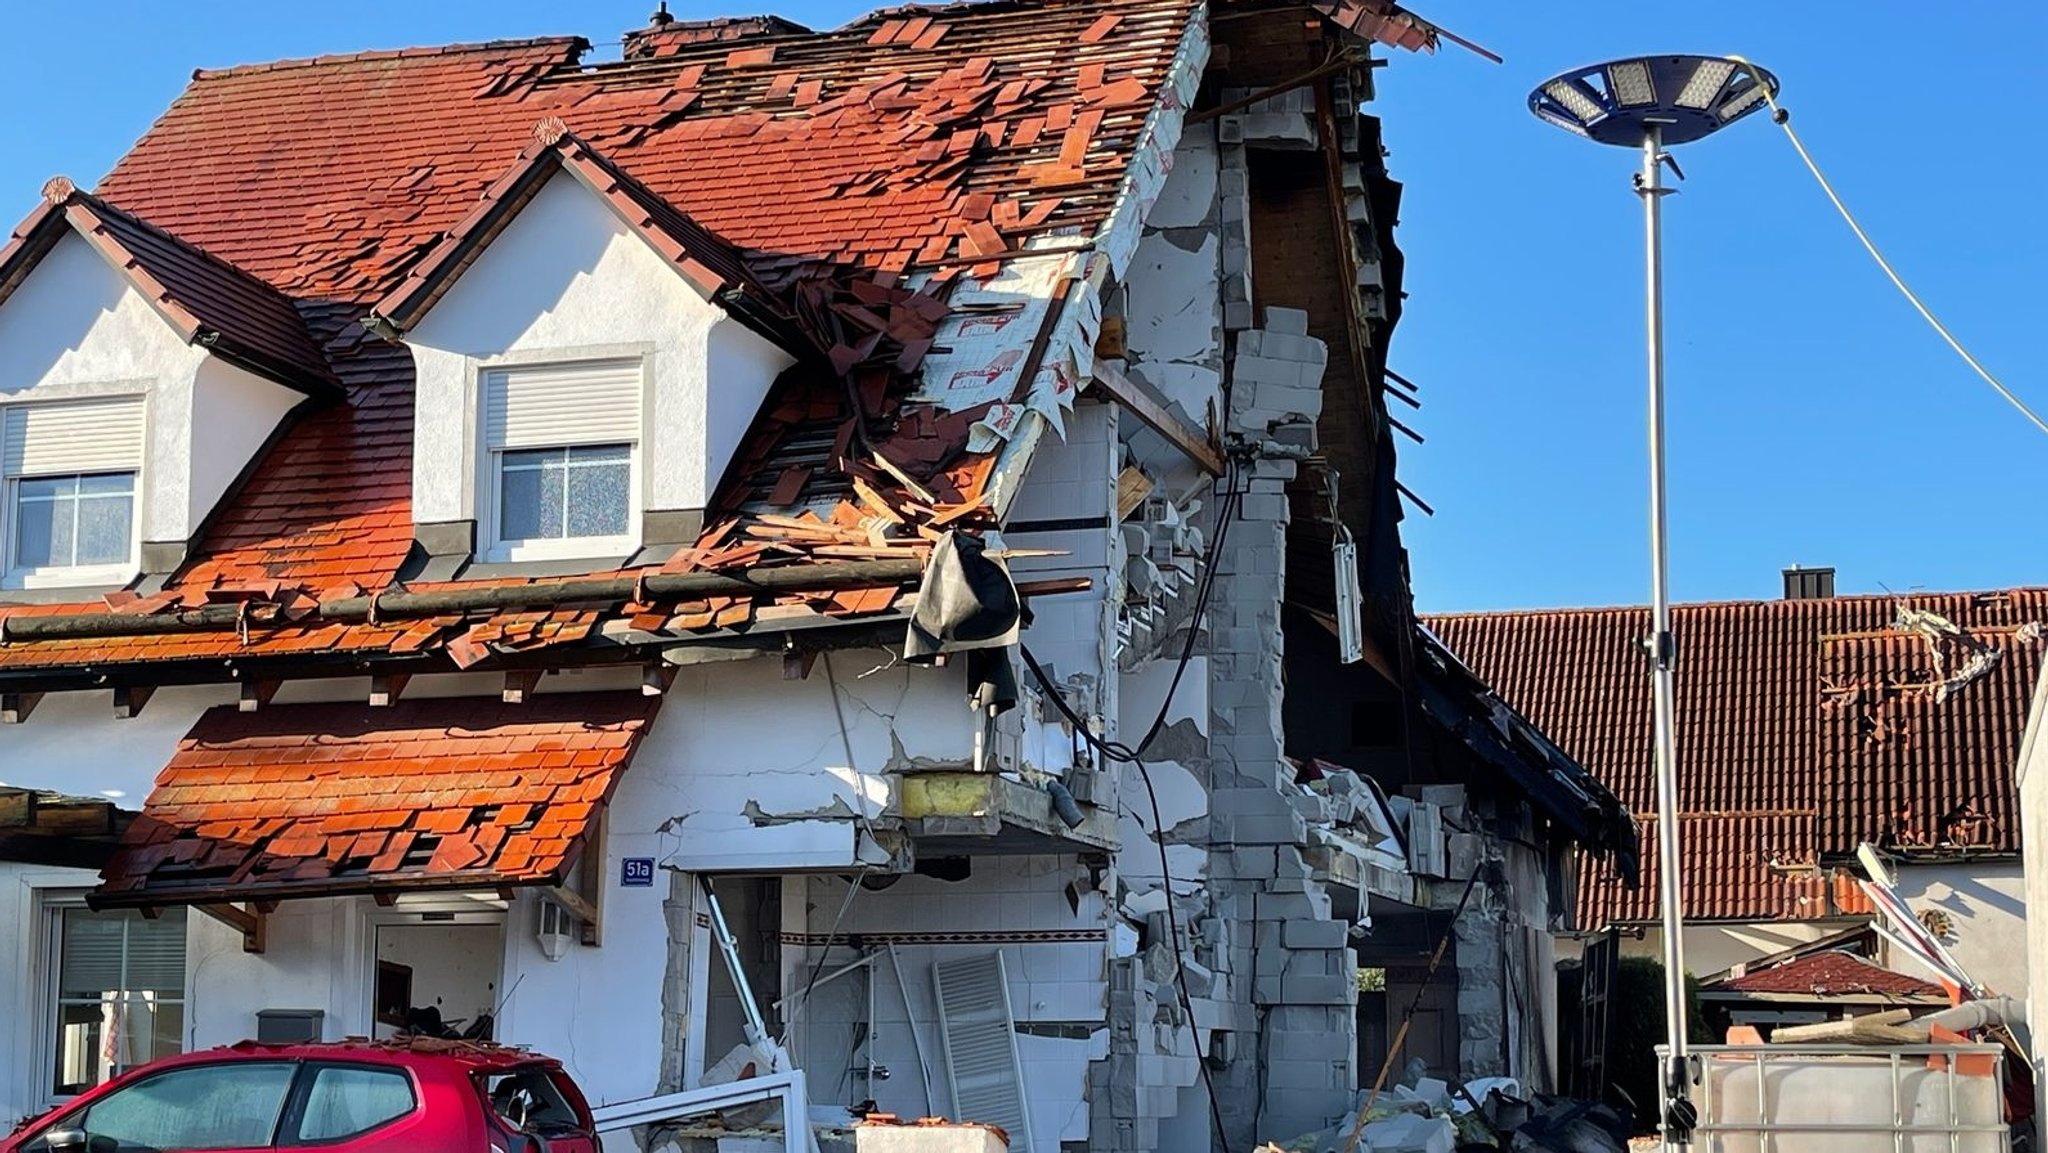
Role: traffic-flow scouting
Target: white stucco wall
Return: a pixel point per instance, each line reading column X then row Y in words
column 2032, row 779
column 234, row 413
column 567, row 280
column 1711, row 948
column 1986, row 903
column 728, row 733
column 76, row 328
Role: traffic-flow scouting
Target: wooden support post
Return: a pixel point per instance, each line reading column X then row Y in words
column 257, row 694
column 15, row 707
column 590, row 884
column 129, row 700
column 520, row 685
column 573, row 901
column 252, row 923
column 656, row 678
column 386, row 688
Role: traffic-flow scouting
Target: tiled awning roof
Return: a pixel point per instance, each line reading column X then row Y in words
column 331, row 800
column 1829, row 974
column 1804, row 728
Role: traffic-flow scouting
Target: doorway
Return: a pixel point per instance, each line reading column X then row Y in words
column 436, row 976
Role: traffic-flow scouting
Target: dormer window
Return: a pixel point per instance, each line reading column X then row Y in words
column 561, row 452
column 68, row 509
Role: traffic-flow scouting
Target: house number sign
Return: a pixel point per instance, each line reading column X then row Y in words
column 636, row 872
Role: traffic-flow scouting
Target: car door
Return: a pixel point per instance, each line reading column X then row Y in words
column 352, row 1107
column 219, row 1107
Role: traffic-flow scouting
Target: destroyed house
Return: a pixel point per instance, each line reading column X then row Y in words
column 486, row 526
column 1806, row 727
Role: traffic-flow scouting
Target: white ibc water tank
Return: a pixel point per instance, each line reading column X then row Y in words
column 1860, row 1102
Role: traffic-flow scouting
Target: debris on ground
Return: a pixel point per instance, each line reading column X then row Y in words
column 1427, row 1115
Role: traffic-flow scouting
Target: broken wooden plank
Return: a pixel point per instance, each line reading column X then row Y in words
column 1192, row 443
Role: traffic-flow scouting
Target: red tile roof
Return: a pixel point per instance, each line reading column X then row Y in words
column 1803, row 728
column 206, row 299
column 306, row 800
column 1833, row 973
column 840, row 161
column 705, row 259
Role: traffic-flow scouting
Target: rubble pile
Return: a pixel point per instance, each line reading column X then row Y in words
column 1426, row 1115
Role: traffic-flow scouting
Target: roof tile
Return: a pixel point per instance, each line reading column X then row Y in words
column 1804, row 728
column 339, row 799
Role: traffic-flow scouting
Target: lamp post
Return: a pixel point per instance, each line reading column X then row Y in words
column 1652, row 103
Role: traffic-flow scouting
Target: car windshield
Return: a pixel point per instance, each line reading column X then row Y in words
column 528, row 1100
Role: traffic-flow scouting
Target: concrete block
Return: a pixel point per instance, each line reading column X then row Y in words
column 1313, row 906
column 1332, row 1046
column 1292, row 321
column 1314, row 934
column 1337, row 989
column 1300, row 1074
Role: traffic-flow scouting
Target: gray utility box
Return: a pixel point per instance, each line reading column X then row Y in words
column 289, row 1026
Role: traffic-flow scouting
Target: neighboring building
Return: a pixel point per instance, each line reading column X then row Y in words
column 1806, row 727
column 1832, row 979
column 467, row 499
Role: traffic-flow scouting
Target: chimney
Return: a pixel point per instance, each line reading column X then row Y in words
column 1809, row 584
column 665, row 35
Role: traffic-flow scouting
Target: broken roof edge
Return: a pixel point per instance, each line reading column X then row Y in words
column 94, row 220
column 1074, row 321
column 575, row 46
column 1602, row 823
column 712, row 266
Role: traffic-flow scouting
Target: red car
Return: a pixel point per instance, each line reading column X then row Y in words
column 349, row 1097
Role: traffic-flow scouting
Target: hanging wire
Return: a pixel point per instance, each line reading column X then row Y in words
column 1783, row 119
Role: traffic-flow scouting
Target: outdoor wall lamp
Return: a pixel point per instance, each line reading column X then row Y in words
column 1652, row 103
column 557, row 930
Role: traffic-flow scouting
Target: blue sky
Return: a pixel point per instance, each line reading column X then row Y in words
column 1814, row 420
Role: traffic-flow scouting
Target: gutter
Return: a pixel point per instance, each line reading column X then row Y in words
column 398, row 605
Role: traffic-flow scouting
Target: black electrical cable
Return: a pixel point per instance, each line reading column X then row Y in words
column 1125, row 754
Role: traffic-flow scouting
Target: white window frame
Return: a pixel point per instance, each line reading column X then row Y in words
column 492, row 546
column 13, row 574
column 49, row 907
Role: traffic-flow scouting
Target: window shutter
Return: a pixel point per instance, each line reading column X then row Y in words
column 57, row 438
column 156, row 953
column 97, row 946
column 980, row 1037
column 547, row 406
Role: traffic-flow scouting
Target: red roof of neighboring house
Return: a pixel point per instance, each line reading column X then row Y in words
column 206, row 299
column 1804, row 727
column 1832, row 973
column 305, row 800
column 835, row 164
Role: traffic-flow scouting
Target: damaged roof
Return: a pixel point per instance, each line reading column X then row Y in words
column 208, row 301
column 1834, row 973
column 305, row 800
column 883, row 181
column 1804, row 728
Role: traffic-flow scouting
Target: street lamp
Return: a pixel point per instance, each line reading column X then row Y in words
column 1652, row 103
